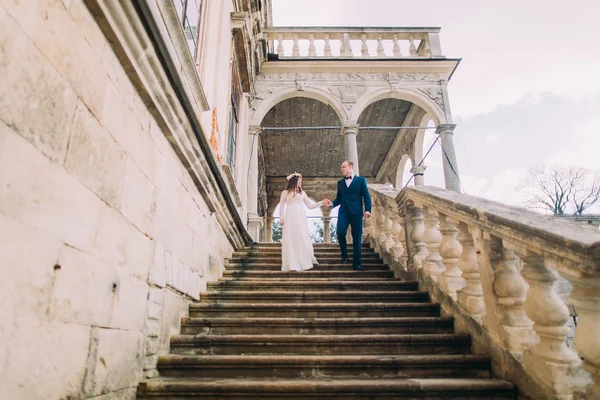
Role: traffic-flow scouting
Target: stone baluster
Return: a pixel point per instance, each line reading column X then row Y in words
column 397, row 235
column 327, row 48
column 312, row 50
column 364, row 48
column 417, row 235
column 510, row 290
column 345, row 48
column 280, row 49
column 295, row 46
column 432, row 237
column 412, row 49
column 585, row 297
column 389, row 237
column 380, row 49
column 450, row 250
column 396, row 48
column 551, row 360
column 326, row 225
column 381, row 235
column 471, row 296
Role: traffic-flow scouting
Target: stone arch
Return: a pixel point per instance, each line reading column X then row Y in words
column 309, row 92
column 431, row 108
column 400, row 171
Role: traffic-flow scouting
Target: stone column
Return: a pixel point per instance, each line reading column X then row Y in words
column 446, row 132
column 418, row 172
column 350, row 132
column 254, row 221
column 269, row 230
column 326, row 225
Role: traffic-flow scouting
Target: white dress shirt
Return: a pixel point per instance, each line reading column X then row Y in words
column 349, row 181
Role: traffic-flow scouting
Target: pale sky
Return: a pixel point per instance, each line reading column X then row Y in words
column 525, row 93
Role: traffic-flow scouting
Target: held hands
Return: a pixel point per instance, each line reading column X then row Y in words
column 327, row 202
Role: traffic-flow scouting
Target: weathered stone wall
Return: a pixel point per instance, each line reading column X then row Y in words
column 104, row 237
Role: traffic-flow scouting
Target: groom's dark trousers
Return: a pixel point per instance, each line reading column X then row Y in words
column 356, row 222
column 350, row 199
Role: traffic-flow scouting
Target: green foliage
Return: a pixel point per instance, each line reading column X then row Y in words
column 277, row 231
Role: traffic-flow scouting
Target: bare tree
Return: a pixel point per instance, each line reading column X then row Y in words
column 561, row 189
column 585, row 197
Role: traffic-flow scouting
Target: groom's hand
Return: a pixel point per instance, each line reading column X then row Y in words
column 367, row 214
column 327, row 202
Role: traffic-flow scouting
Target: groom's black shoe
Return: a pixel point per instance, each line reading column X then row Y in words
column 344, row 260
column 357, row 268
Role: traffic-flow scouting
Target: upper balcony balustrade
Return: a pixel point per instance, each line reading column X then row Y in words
column 354, row 42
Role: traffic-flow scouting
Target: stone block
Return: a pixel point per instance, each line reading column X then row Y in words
column 115, row 361
column 87, row 25
column 125, row 394
column 158, row 274
column 36, row 101
column 42, row 194
column 154, row 311
column 119, row 242
column 139, row 204
column 150, row 362
column 57, row 36
column 40, row 349
column 175, row 308
column 151, row 346
column 95, row 158
column 130, row 303
column 124, row 126
column 141, row 113
column 171, row 230
column 85, row 289
column 117, row 75
column 156, row 295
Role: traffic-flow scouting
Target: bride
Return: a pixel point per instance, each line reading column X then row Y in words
column 297, row 251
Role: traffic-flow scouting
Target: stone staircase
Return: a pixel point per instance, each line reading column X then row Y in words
column 328, row 333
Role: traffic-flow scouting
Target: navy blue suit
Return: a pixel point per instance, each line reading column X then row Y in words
column 350, row 199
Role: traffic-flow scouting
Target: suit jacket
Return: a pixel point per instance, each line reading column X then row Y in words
column 350, row 198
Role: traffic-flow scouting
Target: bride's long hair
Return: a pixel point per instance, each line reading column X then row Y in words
column 294, row 185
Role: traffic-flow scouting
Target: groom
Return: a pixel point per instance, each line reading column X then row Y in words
column 351, row 191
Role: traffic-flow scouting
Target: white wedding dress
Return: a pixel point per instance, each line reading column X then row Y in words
column 297, row 251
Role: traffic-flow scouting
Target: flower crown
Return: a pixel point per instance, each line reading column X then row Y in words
column 290, row 176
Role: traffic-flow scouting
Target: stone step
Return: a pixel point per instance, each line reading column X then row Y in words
column 315, row 310
column 277, row 253
column 318, row 267
column 349, row 274
column 321, row 344
column 316, row 326
column 312, row 284
column 315, row 245
column 364, row 366
column 321, row 260
column 307, row 296
column 327, row 389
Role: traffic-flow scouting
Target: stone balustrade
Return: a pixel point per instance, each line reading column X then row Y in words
column 323, row 42
column 493, row 268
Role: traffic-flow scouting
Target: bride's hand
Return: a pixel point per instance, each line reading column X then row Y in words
column 281, row 222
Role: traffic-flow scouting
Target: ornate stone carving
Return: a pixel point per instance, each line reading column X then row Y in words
column 262, row 92
column 300, row 83
column 397, row 76
column 434, row 94
column 348, row 94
